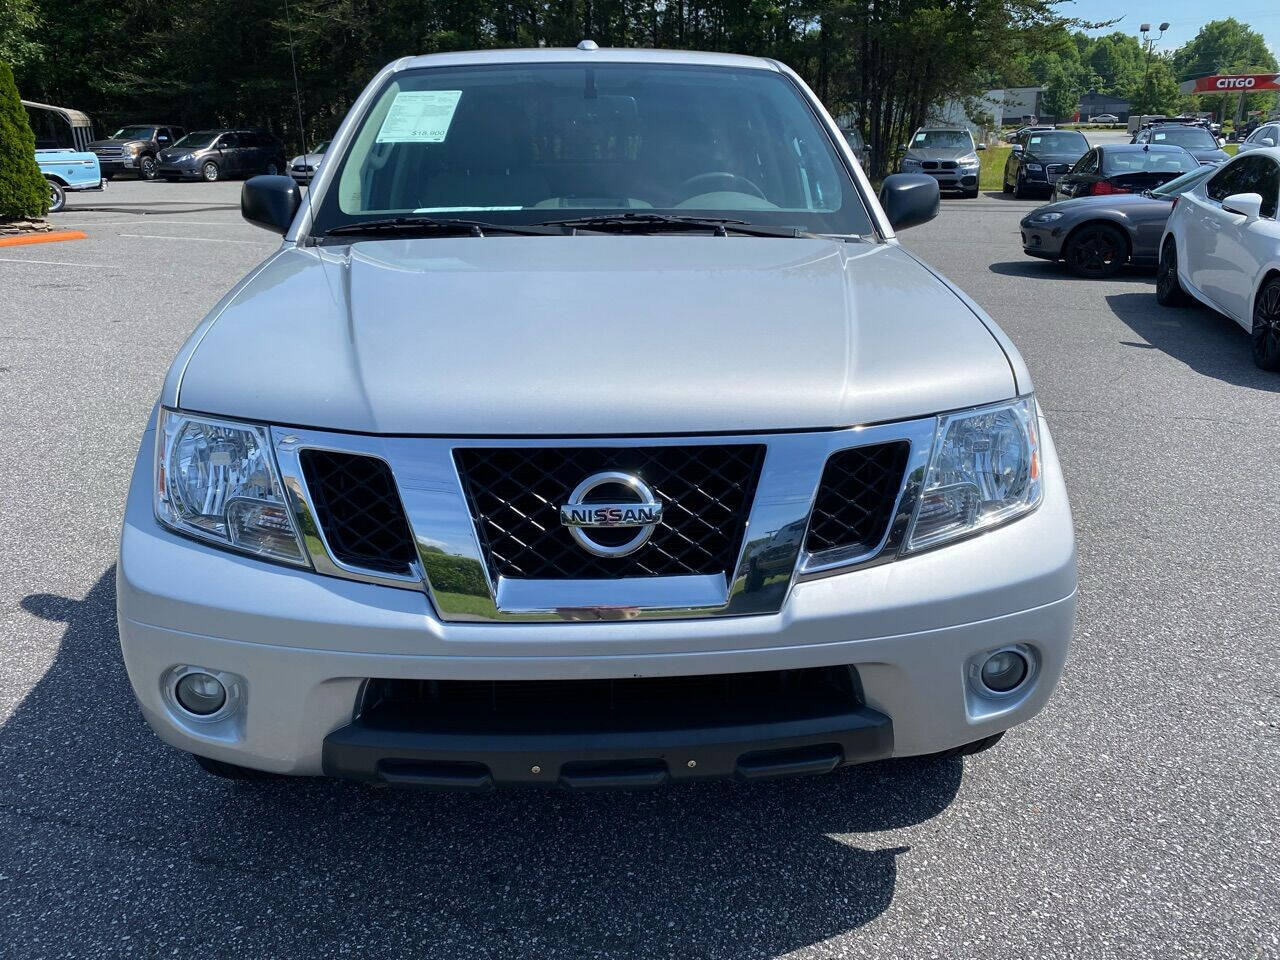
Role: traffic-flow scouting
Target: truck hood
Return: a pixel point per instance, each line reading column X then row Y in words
column 589, row 335
column 102, row 144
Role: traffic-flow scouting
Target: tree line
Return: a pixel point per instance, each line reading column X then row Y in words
column 884, row 63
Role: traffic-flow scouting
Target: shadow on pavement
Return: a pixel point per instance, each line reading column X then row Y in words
column 1034, row 269
column 110, row 834
column 1203, row 339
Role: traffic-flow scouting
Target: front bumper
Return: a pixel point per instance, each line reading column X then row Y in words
column 958, row 179
column 184, row 168
column 1042, row 240
column 305, row 646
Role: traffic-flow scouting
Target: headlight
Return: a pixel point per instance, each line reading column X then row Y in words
column 133, row 149
column 1036, row 167
column 970, row 161
column 1045, row 217
column 910, row 164
column 217, row 480
column 984, row 471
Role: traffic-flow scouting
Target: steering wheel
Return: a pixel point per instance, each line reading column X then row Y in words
column 695, row 185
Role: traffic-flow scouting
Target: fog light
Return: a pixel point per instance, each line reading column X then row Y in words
column 200, row 693
column 1004, row 670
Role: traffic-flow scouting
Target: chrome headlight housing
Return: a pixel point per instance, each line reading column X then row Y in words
column 985, row 470
column 217, row 480
column 132, row 149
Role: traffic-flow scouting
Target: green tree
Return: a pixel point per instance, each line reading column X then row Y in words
column 23, row 193
column 1157, row 92
column 1062, row 93
column 17, row 30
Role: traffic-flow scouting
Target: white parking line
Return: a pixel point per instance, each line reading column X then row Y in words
column 58, row 263
column 133, row 221
column 156, row 236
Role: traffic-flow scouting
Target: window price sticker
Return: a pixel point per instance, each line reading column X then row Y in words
column 420, row 116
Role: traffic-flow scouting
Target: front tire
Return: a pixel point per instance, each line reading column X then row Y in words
column 230, row 771
column 1266, row 326
column 147, row 168
column 57, row 197
column 210, row 171
column 1019, row 191
column 272, row 169
column 969, row 749
column 1096, row 250
column 971, row 194
column 1169, row 292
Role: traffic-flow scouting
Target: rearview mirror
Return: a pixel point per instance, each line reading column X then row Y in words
column 1248, row 205
column 270, row 202
column 910, row 199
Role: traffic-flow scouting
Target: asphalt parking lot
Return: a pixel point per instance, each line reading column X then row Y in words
column 1137, row 817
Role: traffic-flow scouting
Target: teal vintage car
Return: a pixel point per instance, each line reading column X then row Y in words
column 62, row 136
column 68, row 170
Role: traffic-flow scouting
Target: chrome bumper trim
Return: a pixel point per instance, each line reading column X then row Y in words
column 450, row 567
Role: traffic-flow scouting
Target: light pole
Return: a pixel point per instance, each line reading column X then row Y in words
column 1149, row 43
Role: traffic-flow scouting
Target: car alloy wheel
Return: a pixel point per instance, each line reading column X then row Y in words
column 1168, row 289
column 57, row 197
column 210, row 171
column 1266, row 326
column 147, row 168
column 1096, row 250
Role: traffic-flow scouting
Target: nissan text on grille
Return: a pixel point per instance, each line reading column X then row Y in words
column 590, row 427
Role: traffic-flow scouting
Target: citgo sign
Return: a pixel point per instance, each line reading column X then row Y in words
column 1244, row 83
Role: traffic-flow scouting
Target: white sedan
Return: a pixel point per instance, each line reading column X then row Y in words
column 1222, row 247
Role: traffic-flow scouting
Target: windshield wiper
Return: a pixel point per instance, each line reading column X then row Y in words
column 446, row 226
column 658, row 222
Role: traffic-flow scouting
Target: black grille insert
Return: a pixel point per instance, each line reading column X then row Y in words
column 856, row 497
column 605, row 706
column 358, row 507
column 515, row 495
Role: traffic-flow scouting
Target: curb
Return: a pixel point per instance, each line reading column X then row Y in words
column 52, row 237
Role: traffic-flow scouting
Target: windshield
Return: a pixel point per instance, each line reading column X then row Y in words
column 1183, row 183
column 133, row 133
column 523, row 143
column 1058, row 143
column 942, row 140
column 1193, row 138
column 201, row 138
column 320, row 147
column 1119, row 162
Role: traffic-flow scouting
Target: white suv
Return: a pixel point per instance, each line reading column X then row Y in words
column 1221, row 245
column 590, row 427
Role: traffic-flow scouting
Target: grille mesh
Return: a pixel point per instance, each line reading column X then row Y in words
column 515, row 495
column 359, row 509
column 856, row 496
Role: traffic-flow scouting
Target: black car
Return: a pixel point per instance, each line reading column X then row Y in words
column 1193, row 137
column 218, row 154
column 134, row 147
column 1039, row 158
column 1123, row 168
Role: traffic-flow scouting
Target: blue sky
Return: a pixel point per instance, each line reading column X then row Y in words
column 1185, row 17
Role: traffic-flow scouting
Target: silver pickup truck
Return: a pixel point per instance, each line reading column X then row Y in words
column 591, row 428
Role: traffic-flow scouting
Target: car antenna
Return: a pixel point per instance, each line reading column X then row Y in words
column 302, row 133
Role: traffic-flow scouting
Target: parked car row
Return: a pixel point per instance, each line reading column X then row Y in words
column 166, row 151
column 1211, row 229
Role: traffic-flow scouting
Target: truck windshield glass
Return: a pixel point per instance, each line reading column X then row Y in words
column 133, row 133
column 1058, row 143
column 1193, row 138
column 525, row 143
column 942, row 140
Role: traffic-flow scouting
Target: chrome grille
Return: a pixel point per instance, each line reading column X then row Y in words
column 514, row 495
column 359, row 510
column 856, row 497
column 109, row 152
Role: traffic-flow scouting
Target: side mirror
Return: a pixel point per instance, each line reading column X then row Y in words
column 910, row 199
column 982, row 146
column 272, row 202
column 1016, row 148
column 1248, row 205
